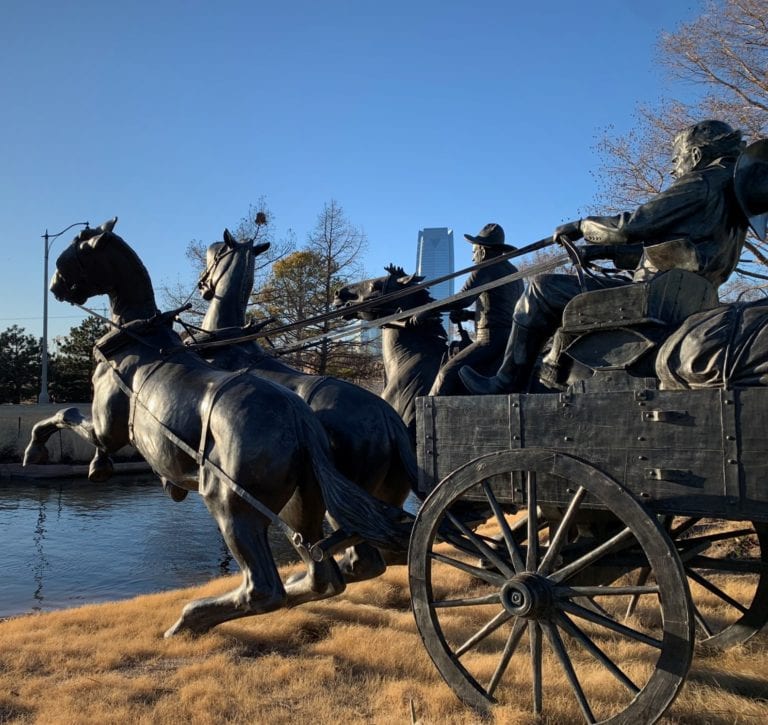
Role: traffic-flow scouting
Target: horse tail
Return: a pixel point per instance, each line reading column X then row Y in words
column 355, row 510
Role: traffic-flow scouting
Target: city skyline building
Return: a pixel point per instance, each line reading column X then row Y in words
column 434, row 258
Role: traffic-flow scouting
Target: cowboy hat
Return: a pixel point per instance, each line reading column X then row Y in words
column 491, row 235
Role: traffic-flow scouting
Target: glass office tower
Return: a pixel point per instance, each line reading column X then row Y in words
column 434, row 258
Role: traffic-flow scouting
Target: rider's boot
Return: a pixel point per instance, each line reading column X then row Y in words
column 513, row 376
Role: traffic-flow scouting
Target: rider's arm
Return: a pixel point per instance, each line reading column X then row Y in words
column 672, row 213
column 474, row 280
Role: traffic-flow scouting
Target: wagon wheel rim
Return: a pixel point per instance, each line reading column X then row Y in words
column 528, row 598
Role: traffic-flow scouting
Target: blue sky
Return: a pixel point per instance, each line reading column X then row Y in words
column 175, row 116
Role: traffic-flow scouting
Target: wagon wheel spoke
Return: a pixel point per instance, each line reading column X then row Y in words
column 710, row 587
column 699, row 617
column 561, row 534
column 642, row 577
column 534, row 637
column 622, row 537
column 513, row 548
column 492, row 598
column 558, row 647
column 483, row 548
column 684, row 526
column 608, row 623
column 486, row 575
column 606, row 591
column 578, row 634
column 487, row 629
column 509, row 649
column 532, row 555
column 694, row 542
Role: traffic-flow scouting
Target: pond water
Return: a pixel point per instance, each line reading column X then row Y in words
column 69, row 542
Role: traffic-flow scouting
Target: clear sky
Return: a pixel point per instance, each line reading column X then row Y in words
column 175, row 115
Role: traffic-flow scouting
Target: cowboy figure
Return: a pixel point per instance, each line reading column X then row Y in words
column 492, row 313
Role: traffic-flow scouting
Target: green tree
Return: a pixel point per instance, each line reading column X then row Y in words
column 724, row 53
column 72, row 366
column 19, row 365
column 294, row 292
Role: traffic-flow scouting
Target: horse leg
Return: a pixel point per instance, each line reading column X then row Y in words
column 304, row 512
column 245, row 532
column 72, row 419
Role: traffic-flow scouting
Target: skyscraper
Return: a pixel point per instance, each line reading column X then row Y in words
column 434, row 258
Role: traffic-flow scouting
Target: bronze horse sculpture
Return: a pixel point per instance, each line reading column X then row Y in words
column 248, row 446
column 413, row 349
column 369, row 442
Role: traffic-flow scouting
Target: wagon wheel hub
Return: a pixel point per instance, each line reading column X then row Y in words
column 527, row 595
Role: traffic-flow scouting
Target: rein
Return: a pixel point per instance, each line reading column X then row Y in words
column 401, row 314
column 404, row 292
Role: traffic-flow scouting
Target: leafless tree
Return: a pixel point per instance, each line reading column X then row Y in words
column 338, row 244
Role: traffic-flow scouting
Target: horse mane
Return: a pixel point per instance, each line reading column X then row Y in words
column 129, row 250
column 395, row 270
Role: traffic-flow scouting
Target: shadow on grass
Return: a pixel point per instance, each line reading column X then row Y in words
column 755, row 688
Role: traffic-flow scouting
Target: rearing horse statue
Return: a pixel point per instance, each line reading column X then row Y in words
column 249, row 447
column 369, row 442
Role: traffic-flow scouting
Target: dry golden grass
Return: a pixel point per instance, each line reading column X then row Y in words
column 357, row 658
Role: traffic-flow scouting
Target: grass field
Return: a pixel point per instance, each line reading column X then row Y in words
column 357, row 658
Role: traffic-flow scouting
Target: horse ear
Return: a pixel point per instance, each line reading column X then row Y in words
column 109, row 225
column 229, row 240
column 260, row 248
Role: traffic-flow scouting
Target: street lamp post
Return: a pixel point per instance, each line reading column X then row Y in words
column 48, row 240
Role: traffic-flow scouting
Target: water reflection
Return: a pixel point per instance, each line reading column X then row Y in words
column 69, row 542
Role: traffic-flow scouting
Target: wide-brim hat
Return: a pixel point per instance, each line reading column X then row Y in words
column 750, row 182
column 491, row 235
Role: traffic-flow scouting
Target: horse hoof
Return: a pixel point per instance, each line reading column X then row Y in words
column 100, row 472
column 176, row 493
column 183, row 627
column 362, row 563
column 323, row 582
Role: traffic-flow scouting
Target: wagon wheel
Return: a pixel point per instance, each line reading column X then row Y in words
column 713, row 551
column 486, row 599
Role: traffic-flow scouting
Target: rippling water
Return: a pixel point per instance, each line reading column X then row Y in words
column 68, row 542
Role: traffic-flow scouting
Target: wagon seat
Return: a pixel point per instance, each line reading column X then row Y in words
column 611, row 336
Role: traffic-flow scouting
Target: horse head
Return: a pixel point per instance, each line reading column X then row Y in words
column 226, row 260
column 379, row 289
column 99, row 262
column 81, row 269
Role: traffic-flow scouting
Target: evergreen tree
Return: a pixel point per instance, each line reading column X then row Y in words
column 73, row 365
column 19, row 366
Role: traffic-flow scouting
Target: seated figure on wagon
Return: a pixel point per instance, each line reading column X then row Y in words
column 696, row 225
